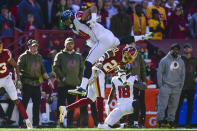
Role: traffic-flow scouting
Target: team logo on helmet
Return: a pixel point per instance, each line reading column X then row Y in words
column 67, row 14
column 129, row 54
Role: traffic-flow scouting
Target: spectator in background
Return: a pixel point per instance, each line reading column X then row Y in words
column 7, row 22
column 189, row 87
column 121, row 24
column 62, row 6
column 139, row 22
column 170, row 77
column 29, row 7
column 68, row 65
column 31, row 67
column 111, row 11
column 144, row 6
column 163, row 4
column 193, row 26
column 162, row 12
column 156, row 25
column 176, row 24
column 171, row 4
column 48, row 95
column 49, row 10
column 13, row 6
column 76, row 5
column 30, row 24
column 102, row 13
column 131, row 8
column 46, row 53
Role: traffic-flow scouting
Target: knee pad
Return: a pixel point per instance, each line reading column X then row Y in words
column 88, row 69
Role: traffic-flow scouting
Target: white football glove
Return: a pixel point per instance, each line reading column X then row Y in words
column 92, row 21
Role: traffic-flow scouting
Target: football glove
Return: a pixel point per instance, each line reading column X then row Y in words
column 19, row 84
column 92, row 21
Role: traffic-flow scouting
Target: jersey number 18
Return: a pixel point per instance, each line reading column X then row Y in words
column 124, row 92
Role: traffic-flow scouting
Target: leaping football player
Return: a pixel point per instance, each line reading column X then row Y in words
column 98, row 38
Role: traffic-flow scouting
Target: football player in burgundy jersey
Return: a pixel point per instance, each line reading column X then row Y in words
column 7, row 82
column 98, row 38
column 107, row 65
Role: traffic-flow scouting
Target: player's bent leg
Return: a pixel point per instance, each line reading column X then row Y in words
column 99, row 107
column 64, row 109
column 113, row 117
column 23, row 113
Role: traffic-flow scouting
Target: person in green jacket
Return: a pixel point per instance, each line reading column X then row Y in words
column 31, row 67
column 188, row 91
column 68, row 65
column 138, row 68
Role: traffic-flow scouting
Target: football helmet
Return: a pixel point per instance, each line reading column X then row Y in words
column 67, row 17
column 129, row 54
column 67, row 14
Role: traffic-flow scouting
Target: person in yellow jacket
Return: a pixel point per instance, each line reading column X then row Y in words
column 139, row 22
column 162, row 12
column 156, row 25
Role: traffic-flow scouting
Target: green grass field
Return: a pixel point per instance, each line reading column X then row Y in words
column 92, row 129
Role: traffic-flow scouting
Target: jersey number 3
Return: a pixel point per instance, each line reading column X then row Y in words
column 124, row 92
column 3, row 68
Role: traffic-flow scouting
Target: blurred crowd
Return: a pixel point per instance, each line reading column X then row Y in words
column 174, row 19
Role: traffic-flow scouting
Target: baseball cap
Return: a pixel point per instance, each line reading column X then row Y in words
column 68, row 40
column 175, row 45
column 4, row 7
column 32, row 42
column 52, row 75
column 188, row 45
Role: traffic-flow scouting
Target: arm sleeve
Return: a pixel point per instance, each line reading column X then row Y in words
column 21, row 63
column 160, row 73
column 183, row 74
column 57, row 67
column 142, row 69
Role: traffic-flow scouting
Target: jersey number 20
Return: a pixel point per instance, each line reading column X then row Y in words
column 124, row 92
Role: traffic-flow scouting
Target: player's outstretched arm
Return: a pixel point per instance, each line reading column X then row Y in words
column 140, row 85
column 88, row 11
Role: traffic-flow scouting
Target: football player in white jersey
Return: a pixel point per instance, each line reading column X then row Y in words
column 98, row 38
column 122, row 85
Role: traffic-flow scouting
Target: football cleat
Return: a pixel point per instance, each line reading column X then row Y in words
column 148, row 36
column 63, row 113
column 78, row 91
column 28, row 124
column 103, row 126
